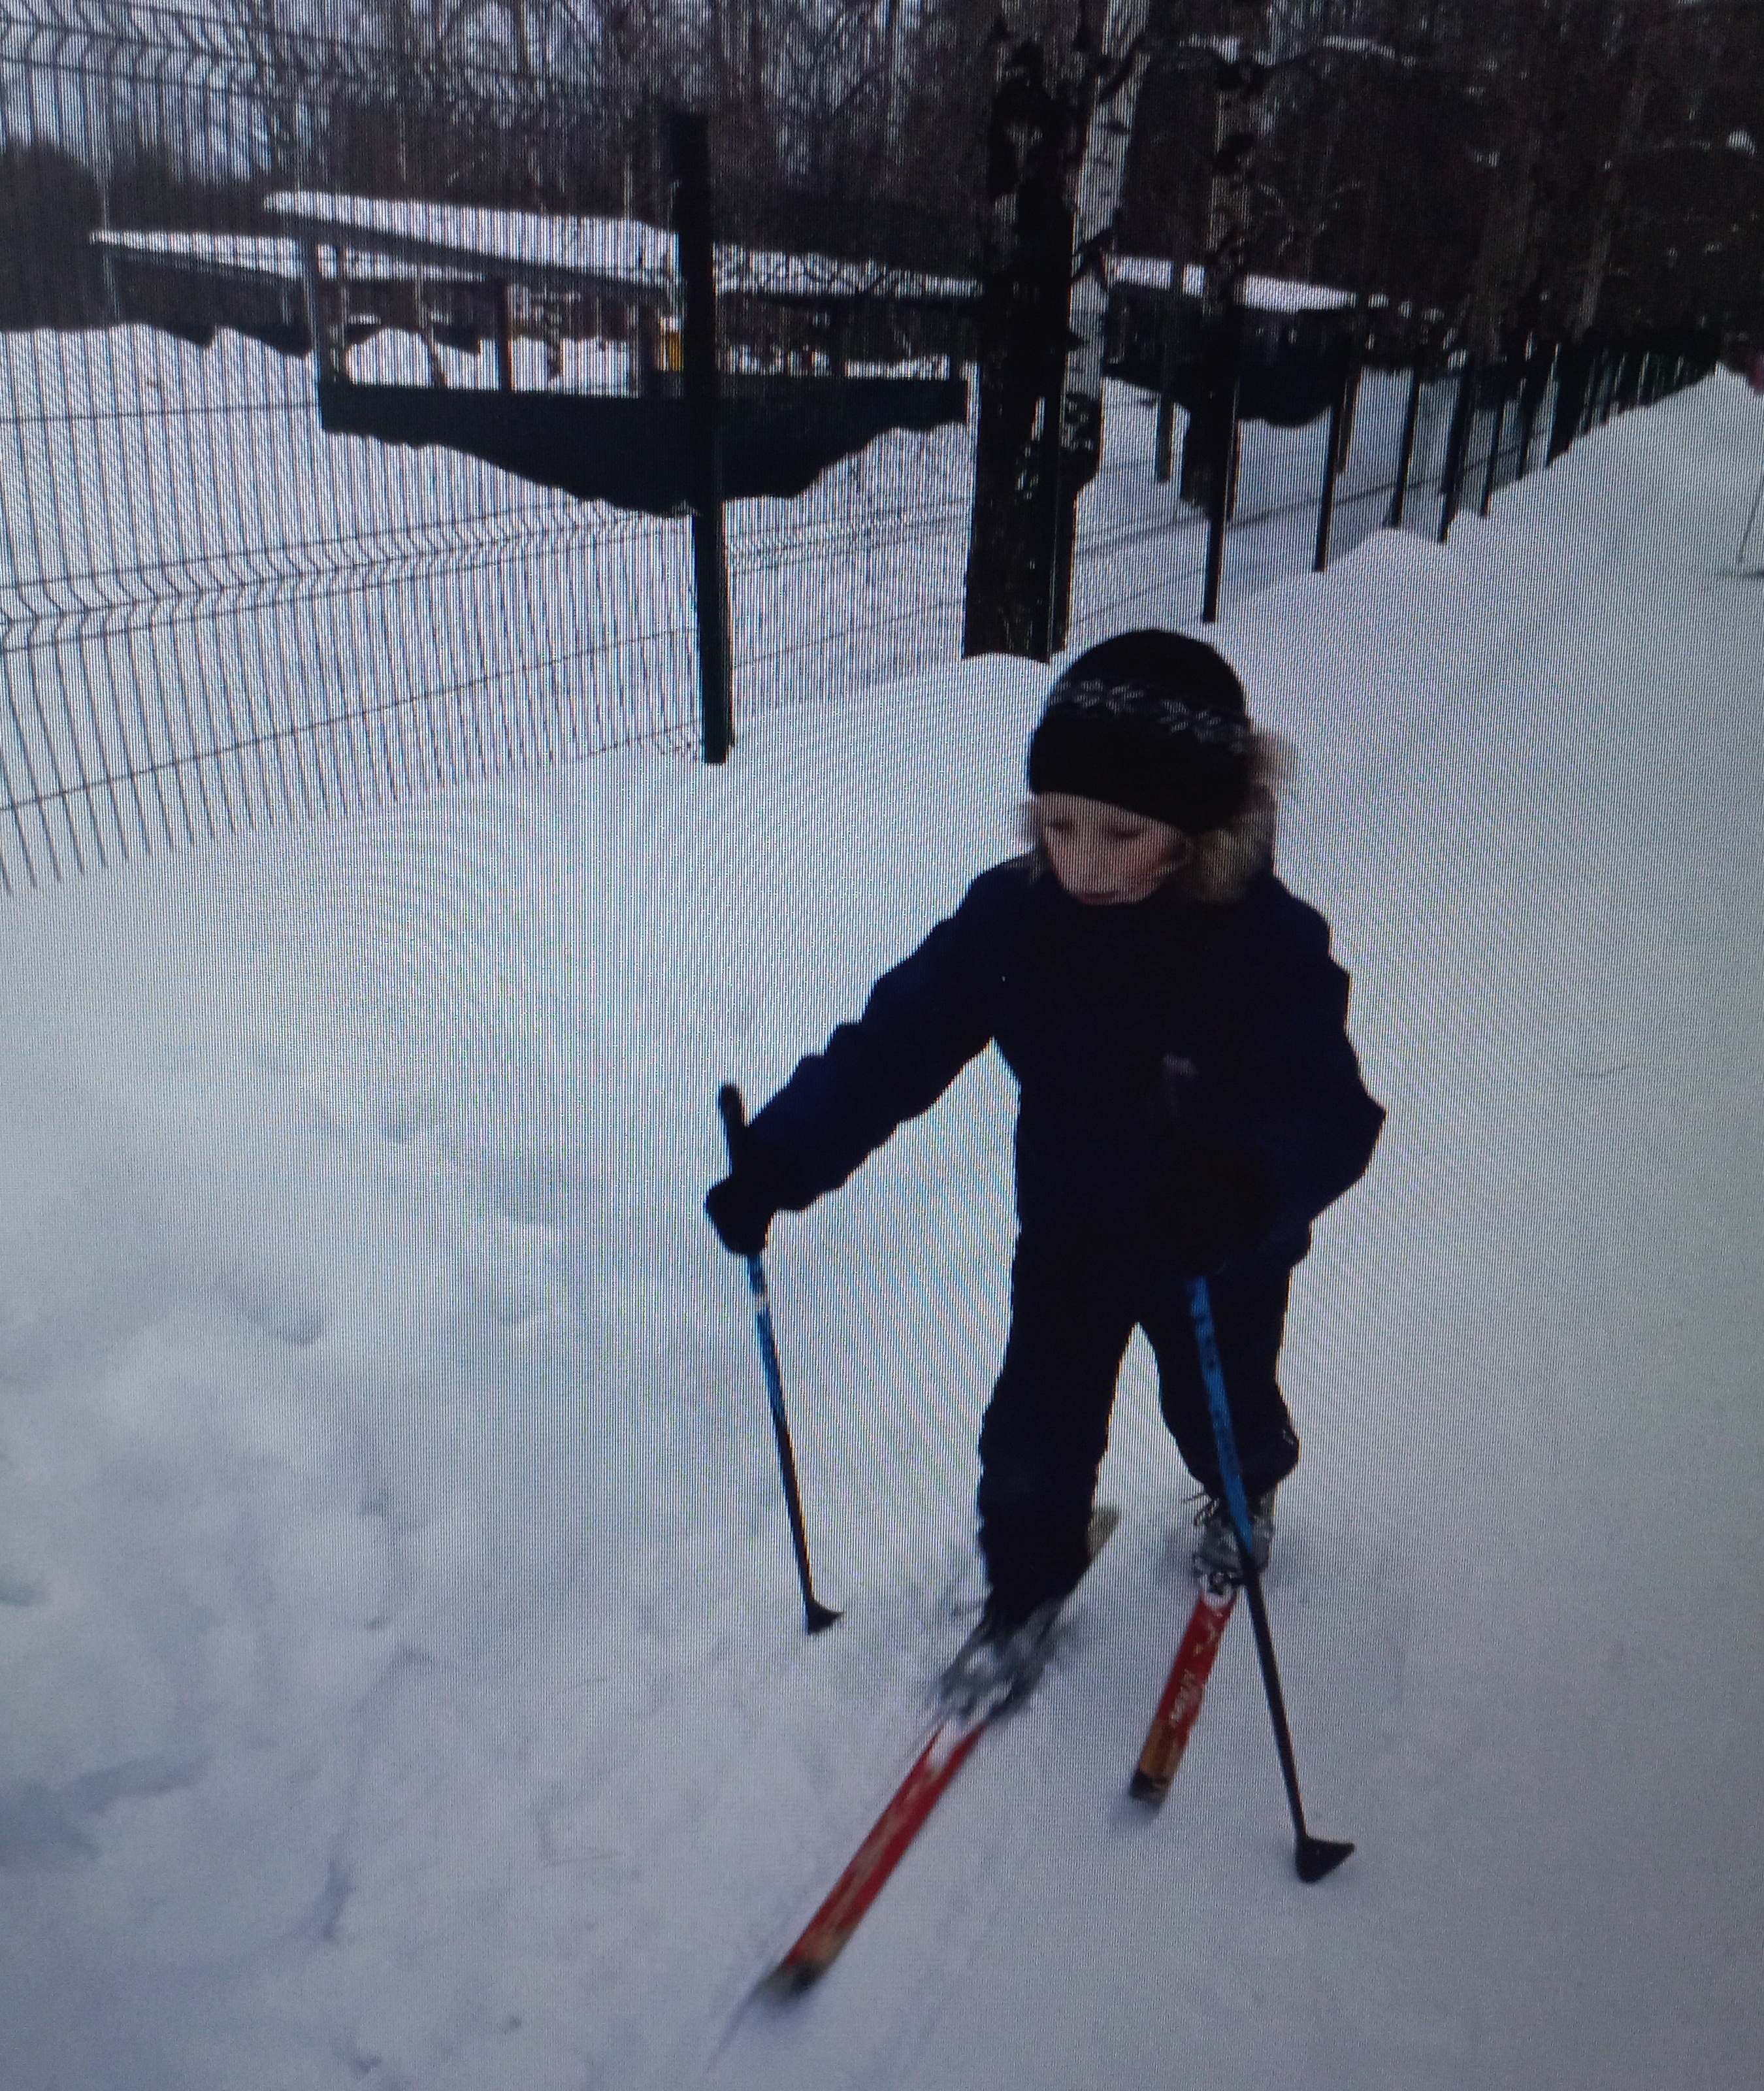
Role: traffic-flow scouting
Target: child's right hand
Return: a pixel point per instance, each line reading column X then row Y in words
column 759, row 1186
column 742, row 1209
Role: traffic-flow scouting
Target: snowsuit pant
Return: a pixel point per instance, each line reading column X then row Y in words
column 1074, row 1305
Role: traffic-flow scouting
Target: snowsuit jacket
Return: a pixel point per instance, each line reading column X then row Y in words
column 1090, row 1007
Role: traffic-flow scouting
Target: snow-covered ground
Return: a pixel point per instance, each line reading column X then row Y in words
column 403, row 1684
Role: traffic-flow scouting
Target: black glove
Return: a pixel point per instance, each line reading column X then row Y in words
column 759, row 1186
column 1221, row 1201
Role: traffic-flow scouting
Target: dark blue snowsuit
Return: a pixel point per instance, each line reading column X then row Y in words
column 1087, row 1005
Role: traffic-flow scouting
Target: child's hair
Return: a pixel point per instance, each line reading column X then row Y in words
column 1225, row 859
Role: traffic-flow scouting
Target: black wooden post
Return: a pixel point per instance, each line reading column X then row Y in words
column 505, row 336
column 1588, row 398
column 1572, row 368
column 326, row 320
column 1587, row 393
column 1457, row 445
column 1163, row 460
column 689, row 146
column 1325, row 505
column 1608, row 405
column 1163, row 452
column 1494, row 441
column 1538, row 362
column 1223, row 375
column 1614, row 367
column 1405, row 455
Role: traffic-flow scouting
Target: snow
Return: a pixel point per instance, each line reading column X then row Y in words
column 615, row 253
column 612, row 254
column 256, row 254
column 404, row 1681
column 1268, row 293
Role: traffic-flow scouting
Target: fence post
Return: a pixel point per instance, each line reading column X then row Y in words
column 1224, row 359
column 1595, row 378
column 1539, row 360
column 1237, row 468
column 1457, row 445
column 1608, row 392
column 1326, row 506
column 331, row 343
column 1164, row 461
column 505, row 335
column 1503, row 370
column 1164, row 455
column 689, row 148
column 1405, row 455
column 1571, row 370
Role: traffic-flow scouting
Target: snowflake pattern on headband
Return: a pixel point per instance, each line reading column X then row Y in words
column 1137, row 704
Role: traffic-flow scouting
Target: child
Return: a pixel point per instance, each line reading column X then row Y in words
column 1189, row 1101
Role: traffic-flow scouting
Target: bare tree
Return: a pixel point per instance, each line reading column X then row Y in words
column 1060, row 125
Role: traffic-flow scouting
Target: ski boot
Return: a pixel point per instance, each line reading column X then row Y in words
column 1216, row 1551
column 999, row 1663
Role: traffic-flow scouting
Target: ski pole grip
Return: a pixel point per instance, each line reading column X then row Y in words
column 734, row 1114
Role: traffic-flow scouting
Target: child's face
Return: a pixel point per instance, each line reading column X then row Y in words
column 1102, row 854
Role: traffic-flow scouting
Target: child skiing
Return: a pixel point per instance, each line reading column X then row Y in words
column 1190, row 1102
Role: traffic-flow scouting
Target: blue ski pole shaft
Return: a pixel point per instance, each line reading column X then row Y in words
column 815, row 1615
column 1314, row 1856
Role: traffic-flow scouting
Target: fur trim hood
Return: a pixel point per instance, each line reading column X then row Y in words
column 1222, row 860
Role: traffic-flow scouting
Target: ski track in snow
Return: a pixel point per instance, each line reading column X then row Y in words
column 403, row 1681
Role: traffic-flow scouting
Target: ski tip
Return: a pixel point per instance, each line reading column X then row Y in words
column 1316, row 1856
column 1142, row 1786
column 820, row 1617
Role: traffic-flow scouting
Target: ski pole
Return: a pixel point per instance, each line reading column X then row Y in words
column 816, row 1616
column 1314, row 1856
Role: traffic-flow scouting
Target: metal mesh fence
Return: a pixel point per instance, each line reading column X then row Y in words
column 212, row 614
column 1142, row 554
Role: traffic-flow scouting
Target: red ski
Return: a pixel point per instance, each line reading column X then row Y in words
column 948, row 1747
column 824, row 1936
column 1179, row 1707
